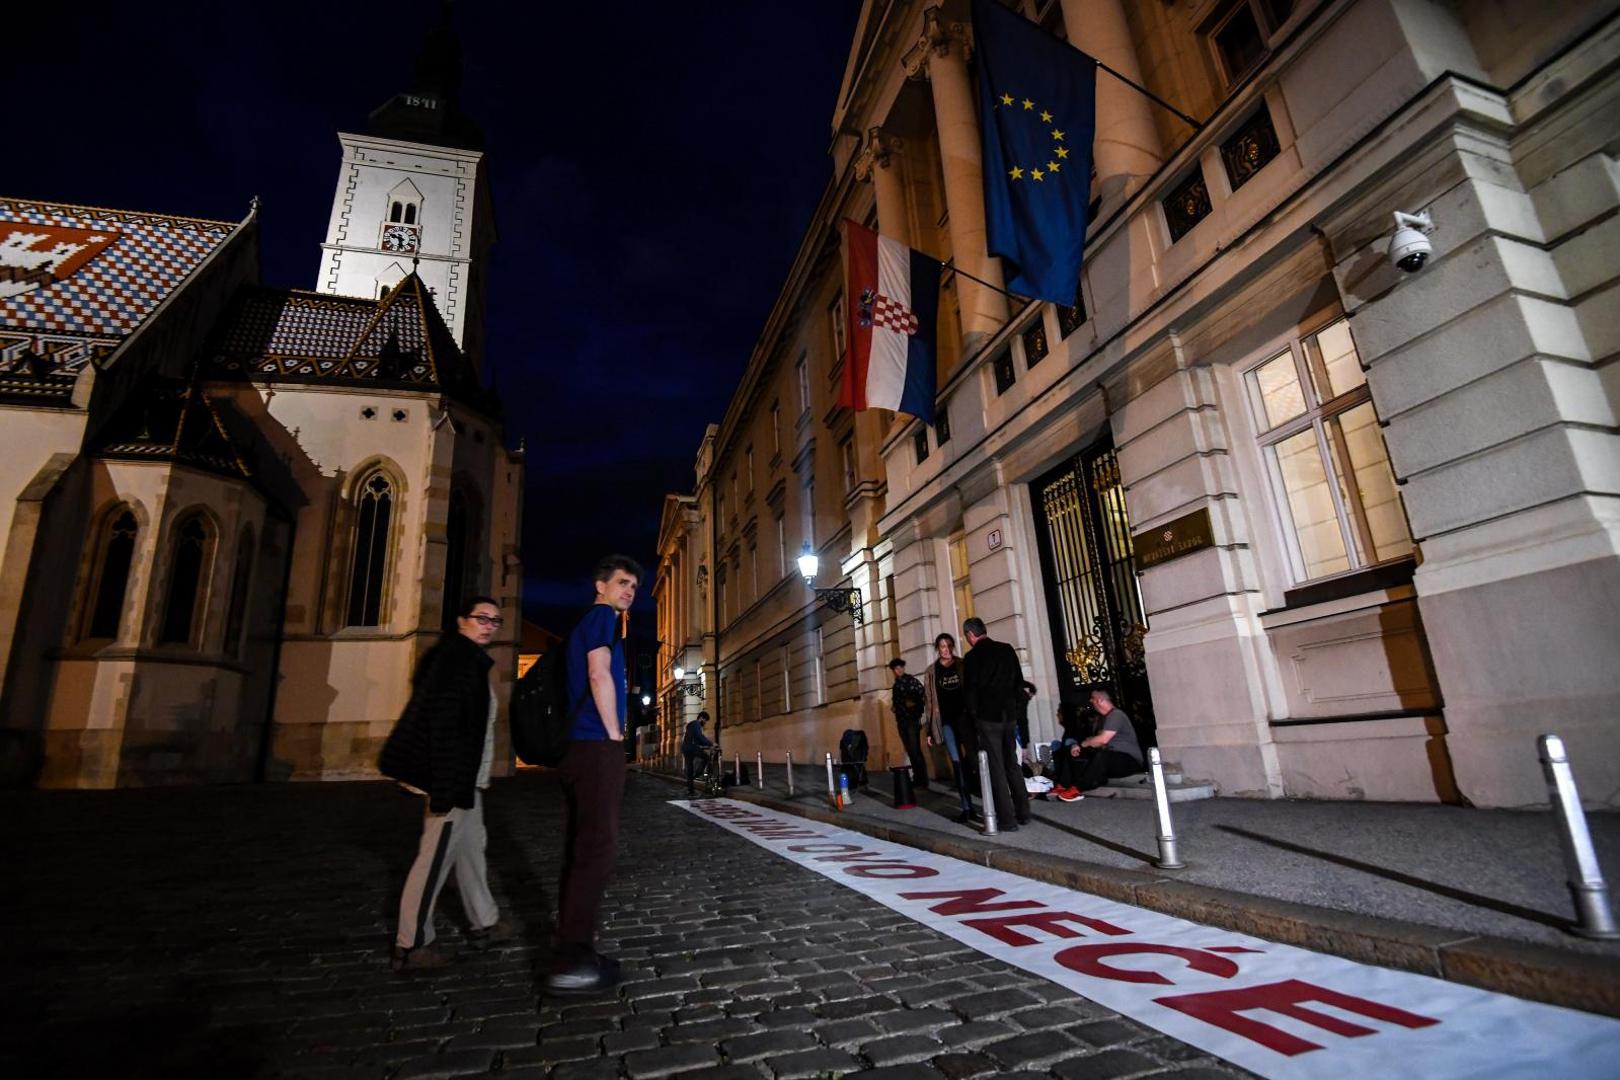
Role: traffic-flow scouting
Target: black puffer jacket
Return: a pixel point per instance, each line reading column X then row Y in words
column 438, row 743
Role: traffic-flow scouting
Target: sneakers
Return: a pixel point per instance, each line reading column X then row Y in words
column 503, row 929
column 592, row 975
column 1069, row 794
column 423, row 956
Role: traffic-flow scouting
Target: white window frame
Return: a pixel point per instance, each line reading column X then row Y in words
column 804, row 383
column 1354, row 530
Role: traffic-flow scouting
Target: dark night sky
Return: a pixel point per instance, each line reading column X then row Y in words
column 654, row 166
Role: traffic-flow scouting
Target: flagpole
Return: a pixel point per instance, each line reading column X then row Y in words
column 1150, row 95
column 958, row 270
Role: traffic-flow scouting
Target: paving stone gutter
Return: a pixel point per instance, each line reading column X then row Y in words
column 1524, row 969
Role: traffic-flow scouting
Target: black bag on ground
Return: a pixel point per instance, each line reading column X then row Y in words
column 852, row 754
column 542, row 720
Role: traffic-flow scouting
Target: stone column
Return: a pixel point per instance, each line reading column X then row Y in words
column 1126, row 148
column 941, row 56
column 879, row 162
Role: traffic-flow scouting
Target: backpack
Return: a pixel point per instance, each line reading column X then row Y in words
column 541, row 715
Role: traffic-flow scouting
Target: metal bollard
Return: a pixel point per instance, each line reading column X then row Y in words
column 736, row 769
column 986, row 794
column 1168, row 858
column 1593, row 916
column 759, row 769
column 832, row 785
column 790, row 773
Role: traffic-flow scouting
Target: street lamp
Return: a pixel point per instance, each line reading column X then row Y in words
column 646, row 699
column 839, row 599
column 690, row 689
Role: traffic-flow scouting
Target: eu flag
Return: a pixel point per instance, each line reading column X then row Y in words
column 1037, row 112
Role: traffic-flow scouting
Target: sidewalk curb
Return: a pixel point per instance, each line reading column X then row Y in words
column 1584, row 981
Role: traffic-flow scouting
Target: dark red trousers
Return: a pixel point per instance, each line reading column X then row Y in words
column 593, row 788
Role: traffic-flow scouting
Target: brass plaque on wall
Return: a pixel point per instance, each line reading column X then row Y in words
column 1183, row 536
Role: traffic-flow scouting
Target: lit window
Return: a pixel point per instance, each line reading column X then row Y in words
column 835, row 315
column 186, row 567
column 1335, row 491
column 804, row 384
column 961, row 586
column 369, row 563
column 112, row 579
column 787, row 680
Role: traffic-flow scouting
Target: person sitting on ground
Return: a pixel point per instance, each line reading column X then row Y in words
column 696, row 747
column 1112, row 751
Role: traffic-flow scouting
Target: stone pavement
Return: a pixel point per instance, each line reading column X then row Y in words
column 243, row 932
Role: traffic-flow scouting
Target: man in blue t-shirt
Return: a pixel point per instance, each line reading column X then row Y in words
column 592, row 780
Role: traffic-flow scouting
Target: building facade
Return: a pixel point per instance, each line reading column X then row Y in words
column 239, row 514
column 1327, row 528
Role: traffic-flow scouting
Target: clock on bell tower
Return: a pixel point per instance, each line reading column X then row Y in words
column 414, row 184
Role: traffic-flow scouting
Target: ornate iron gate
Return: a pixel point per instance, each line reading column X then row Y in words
column 1092, row 596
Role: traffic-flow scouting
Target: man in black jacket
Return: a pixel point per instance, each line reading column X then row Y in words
column 443, row 748
column 993, row 683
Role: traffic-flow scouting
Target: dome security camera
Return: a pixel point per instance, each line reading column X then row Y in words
column 1409, row 248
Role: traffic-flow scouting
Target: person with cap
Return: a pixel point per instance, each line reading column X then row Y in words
column 909, row 699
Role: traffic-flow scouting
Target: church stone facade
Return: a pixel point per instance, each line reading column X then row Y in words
column 238, row 514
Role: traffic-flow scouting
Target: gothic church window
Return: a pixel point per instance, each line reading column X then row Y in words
column 112, row 580
column 396, row 212
column 368, row 567
column 455, row 558
column 193, row 541
column 236, row 616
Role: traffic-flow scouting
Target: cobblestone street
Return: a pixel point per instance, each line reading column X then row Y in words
column 243, row 931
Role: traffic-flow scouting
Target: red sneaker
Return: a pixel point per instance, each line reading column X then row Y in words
column 1069, row 794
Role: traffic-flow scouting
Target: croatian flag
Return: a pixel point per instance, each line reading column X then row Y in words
column 892, row 308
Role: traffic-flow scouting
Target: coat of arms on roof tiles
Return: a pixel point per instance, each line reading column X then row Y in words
column 33, row 255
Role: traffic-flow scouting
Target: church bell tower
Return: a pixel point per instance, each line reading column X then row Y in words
column 413, row 192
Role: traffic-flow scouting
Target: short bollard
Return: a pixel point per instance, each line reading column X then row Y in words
column 790, row 773
column 1168, row 858
column 986, row 795
column 1593, row 916
column 736, row 769
column 759, row 769
column 832, row 785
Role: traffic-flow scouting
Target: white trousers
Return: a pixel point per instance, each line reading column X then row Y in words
column 453, row 841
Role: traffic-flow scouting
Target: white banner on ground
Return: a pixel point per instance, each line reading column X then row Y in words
column 1275, row 1009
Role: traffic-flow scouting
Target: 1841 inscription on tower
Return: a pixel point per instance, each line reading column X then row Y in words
column 1183, row 536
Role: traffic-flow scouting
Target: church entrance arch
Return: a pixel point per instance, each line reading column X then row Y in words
column 1093, row 598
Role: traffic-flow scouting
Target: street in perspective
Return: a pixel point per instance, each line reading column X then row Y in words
column 936, row 539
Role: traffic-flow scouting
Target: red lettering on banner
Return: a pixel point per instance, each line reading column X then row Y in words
column 859, row 856
column 968, row 901
column 908, row 871
column 1222, row 1008
column 811, row 848
column 1000, row 926
column 1088, row 960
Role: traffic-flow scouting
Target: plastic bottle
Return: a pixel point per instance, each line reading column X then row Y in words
column 843, row 789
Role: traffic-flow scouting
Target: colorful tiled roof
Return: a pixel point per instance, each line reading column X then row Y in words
column 298, row 336
column 171, row 421
column 75, row 280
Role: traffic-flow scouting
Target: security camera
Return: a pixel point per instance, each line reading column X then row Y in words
column 1409, row 248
